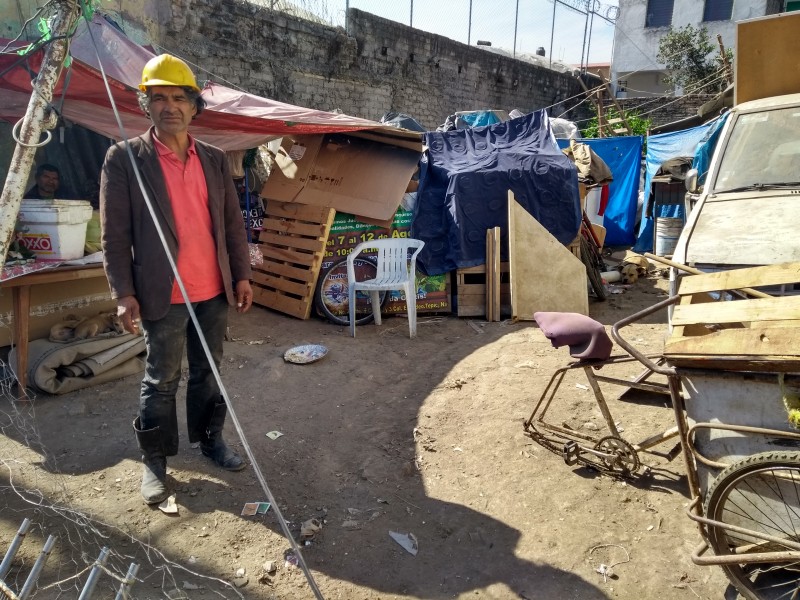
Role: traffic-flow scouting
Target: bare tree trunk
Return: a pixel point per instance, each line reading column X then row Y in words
column 36, row 119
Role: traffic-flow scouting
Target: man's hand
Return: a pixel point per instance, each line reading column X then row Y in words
column 244, row 296
column 128, row 312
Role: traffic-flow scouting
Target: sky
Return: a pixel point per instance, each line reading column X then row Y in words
column 493, row 20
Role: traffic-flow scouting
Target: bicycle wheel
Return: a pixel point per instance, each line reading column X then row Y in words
column 760, row 493
column 330, row 296
column 590, row 261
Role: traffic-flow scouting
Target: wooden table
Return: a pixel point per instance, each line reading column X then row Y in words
column 21, row 300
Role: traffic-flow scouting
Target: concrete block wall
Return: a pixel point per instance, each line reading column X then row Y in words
column 376, row 66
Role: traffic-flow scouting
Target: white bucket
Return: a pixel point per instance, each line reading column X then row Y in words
column 54, row 229
column 668, row 230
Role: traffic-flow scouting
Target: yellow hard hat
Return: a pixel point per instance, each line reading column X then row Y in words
column 166, row 69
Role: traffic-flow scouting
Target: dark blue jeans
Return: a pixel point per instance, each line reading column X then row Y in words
column 165, row 340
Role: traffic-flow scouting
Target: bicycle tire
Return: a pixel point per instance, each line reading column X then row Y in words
column 760, row 493
column 588, row 258
column 336, row 308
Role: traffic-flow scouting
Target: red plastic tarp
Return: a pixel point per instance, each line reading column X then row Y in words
column 233, row 120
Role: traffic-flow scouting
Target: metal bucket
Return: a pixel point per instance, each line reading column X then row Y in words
column 668, row 230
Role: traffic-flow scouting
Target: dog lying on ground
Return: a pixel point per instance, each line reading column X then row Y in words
column 74, row 328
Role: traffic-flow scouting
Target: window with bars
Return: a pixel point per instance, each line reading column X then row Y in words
column 718, row 10
column 659, row 13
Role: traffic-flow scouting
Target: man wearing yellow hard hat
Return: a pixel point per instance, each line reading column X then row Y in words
column 191, row 190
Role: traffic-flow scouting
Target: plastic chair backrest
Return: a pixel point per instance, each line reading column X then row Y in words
column 393, row 257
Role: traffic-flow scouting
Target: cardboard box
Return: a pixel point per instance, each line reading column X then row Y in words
column 355, row 175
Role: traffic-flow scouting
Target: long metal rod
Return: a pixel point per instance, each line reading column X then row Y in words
column 552, row 32
column 5, row 566
column 126, row 585
column 94, row 575
column 469, row 25
column 411, row 16
column 33, row 576
column 37, row 118
column 516, row 23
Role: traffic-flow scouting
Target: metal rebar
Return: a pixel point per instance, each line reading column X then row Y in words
column 5, row 566
column 126, row 585
column 33, row 576
column 94, row 575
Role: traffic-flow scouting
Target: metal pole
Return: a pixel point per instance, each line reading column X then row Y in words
column 516, row 21
column 94, row 574
column 347, row 15
column 125, row 586
column 33, row 576
column 37, row 118
column 411, row 18
column 5, row 566
column 552, row 32
column 469, row 27
column 591, row 25
column 583, row 46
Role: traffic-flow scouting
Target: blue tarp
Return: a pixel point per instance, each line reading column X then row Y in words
column 660, row 148
column 465, row 176
column 702, row 158
column 623, row 155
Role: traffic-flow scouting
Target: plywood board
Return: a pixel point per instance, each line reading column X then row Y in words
column 766, row 57
column 545, row 275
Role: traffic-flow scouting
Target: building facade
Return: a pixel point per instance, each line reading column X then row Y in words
column 641, row 24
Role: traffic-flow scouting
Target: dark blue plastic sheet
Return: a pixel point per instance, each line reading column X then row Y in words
column 623, row 155
column 465, row 176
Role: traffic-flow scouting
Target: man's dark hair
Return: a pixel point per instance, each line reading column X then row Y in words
column 193, row 96
column 47, row 167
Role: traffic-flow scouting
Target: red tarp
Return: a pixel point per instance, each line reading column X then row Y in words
column 234, row 120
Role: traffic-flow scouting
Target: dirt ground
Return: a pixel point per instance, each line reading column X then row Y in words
column 421, row 436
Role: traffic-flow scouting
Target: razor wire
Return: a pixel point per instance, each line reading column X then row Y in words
column 79, row 537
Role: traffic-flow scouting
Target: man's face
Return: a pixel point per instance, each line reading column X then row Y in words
column 47, row 181
column 170, row 109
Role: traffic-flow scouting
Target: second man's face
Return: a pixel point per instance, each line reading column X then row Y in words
column 170, row 109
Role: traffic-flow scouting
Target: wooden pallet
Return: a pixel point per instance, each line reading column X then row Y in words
column 753, row 334
column 471, row 291
column 292, row 242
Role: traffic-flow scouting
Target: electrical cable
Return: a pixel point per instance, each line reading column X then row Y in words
column 223, row 391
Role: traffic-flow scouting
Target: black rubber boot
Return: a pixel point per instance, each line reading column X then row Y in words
column 154, row 473
column 213, row 446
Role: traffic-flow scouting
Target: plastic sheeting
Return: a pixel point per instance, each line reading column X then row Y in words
column 702, row 158
column 623, row 156
column 464, row 182
column 662, row 147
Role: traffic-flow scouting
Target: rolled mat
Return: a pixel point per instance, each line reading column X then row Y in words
column 58, row 368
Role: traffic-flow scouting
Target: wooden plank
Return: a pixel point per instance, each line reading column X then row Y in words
column 267, row 237
column 285, row 304
column 740, row 278
column 305, row 275
column 496, row 279
column 286, row 254
column 738, row 311
column 314, row 230
column 282, row 284
column 758, row 342
column 769, row 364
column 545, row 275
column 297, row 211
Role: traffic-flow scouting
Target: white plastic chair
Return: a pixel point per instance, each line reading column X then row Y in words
column 396, row 271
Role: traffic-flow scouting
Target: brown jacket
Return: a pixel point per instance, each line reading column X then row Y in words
column 133, row 255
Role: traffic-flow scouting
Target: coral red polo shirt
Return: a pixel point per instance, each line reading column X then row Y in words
column 197, row 249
